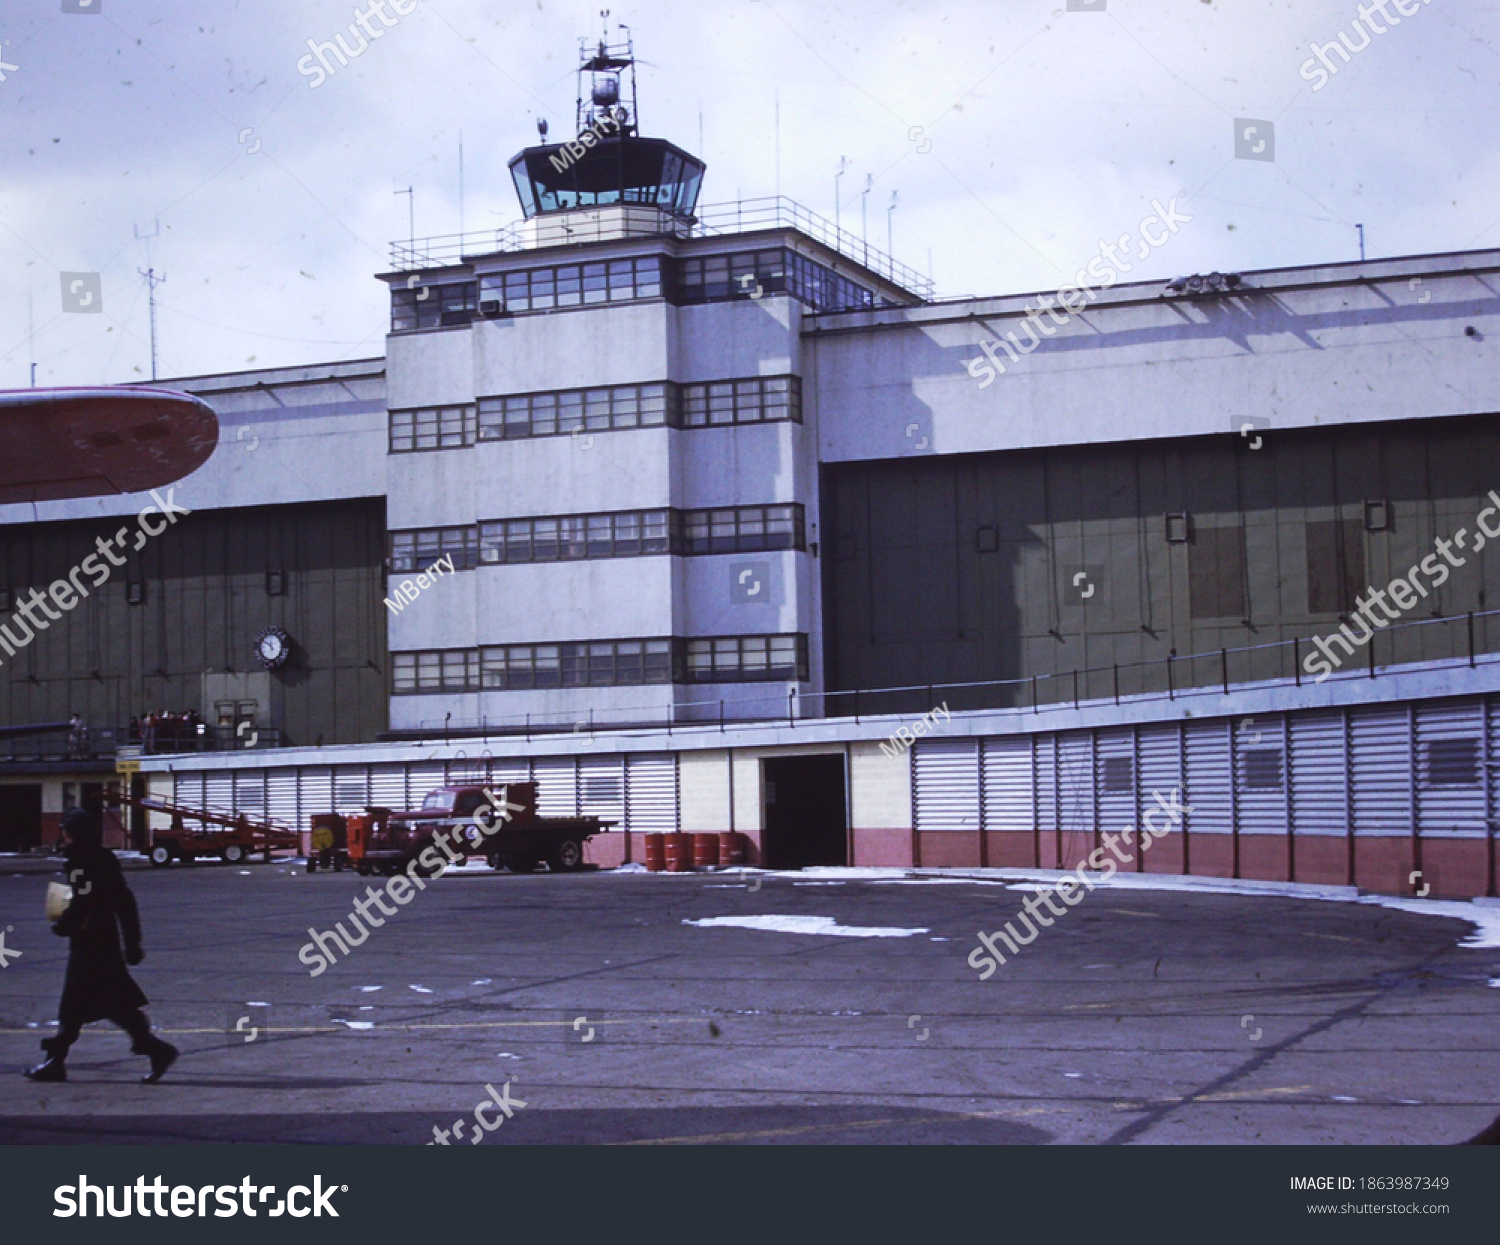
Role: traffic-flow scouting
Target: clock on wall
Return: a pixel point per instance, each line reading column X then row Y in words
column 272, row 647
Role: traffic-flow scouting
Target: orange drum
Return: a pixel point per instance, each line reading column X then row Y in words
column 679, row 852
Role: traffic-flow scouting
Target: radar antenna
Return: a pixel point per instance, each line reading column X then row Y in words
column 610, row 99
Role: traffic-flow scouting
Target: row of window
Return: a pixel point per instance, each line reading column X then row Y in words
column 571, row 285
column 602, row 663
column 758, row 399
column 1443, row 763
column 711, row 278
column 753, row 274
column 620, row 534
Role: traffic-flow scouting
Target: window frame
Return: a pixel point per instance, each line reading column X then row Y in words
column 457, row 422
column 581, row 664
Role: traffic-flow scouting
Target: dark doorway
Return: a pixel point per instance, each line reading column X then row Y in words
column 20, row 817
column 806, row 817
column 140, row 831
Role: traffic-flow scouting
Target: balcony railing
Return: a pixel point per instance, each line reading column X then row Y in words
column 96, row 744
column 1458, row 641
column 715, row 220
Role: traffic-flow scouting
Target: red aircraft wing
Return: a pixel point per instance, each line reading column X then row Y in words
column 63, row 443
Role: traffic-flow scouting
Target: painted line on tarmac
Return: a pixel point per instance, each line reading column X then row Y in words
column 1244, row 1095
column 412, row 1028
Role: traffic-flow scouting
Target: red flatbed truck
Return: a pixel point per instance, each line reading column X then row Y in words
column 383, row 841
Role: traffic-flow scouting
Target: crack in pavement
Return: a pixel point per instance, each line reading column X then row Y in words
column 1154, row 1117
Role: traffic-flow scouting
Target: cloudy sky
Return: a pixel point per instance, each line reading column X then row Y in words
column 1015, row 135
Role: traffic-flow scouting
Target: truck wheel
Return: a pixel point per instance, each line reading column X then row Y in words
column 519, row 862
column 362, row 869
column 161, row 854
column 233, row 854
column 338, row 864
column 495, row 860
column 312, row 864
column 567, row 856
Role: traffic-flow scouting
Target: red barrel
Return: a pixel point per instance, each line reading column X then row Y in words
column 656, row 853
column 731, row 848
column 679, row 852
column 705, row 851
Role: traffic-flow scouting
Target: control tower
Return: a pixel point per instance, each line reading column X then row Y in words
column 608, row 181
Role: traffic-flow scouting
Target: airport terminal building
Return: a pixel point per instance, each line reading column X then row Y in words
column 684, row 512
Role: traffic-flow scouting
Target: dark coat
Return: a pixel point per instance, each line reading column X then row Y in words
column 98, row 985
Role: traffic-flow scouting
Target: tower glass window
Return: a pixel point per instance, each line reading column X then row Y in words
column 647, row 171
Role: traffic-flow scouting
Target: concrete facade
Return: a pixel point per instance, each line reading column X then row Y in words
column 536, row 659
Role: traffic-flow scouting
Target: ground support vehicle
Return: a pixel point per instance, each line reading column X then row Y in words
column 383, row 841
column 233, row 838
column 327, row 843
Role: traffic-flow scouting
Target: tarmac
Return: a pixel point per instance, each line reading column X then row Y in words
column 825, row 1007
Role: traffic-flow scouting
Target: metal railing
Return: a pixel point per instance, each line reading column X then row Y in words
column 714, row 220
column 779, row 212
column 1458, row 641
column 95, row 744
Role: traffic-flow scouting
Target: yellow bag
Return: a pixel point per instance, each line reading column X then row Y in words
column 59, row 896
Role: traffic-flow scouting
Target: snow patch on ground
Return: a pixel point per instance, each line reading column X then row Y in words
column 804, row 925
column 1486, row 920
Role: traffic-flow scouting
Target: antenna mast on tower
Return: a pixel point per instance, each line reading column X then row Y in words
column 152, row 281
column 606, row 85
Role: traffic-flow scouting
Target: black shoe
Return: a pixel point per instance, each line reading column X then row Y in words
column 51, row 1069
column 163, row 1056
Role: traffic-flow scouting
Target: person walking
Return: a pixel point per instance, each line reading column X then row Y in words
column 98, row 985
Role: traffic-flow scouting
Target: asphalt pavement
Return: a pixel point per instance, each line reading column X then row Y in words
column 1141, row 1016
